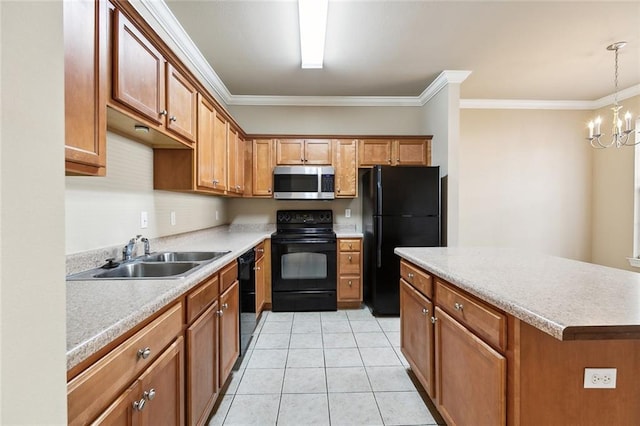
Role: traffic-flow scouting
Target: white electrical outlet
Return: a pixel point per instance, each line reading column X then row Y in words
column 347, row 212
column 600, row 378
column 172, row 217
column 144, row 220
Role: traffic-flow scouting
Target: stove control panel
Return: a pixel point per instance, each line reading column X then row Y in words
column 304, row 217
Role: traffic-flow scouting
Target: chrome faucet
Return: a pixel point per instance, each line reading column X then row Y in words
column 147, row 248
column 127, row 251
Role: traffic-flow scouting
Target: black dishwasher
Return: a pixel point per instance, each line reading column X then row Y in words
column 247, row 279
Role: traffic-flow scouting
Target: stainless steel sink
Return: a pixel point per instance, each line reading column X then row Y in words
column 148, row 270
column 184, row 256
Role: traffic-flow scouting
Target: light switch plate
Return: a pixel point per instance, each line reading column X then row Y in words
column 144, row 220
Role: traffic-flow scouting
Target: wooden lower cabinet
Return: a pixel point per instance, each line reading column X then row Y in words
column 156, row 398
column 229, row 330
column 260, row 287
column 349, row 272
column 202, row 366
column 416, row 335
column 471, row 376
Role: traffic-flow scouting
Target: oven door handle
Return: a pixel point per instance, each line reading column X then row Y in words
column 303, row 241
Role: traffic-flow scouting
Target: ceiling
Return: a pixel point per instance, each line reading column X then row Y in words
column 537, row 50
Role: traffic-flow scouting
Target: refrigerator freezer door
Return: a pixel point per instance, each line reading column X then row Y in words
column 385, row 270
column 412, row 191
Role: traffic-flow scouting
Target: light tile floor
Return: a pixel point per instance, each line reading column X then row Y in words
column 323, row 368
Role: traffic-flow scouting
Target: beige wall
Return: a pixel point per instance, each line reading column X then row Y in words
column 329, row 120
column 102, row 212
column 246, row 211
column 613, row 198
column 525, row 181
column 32, row 263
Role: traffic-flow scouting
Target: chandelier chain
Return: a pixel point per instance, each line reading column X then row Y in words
column 615, row 93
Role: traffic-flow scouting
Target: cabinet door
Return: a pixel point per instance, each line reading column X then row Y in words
column 289, row 151
column 202, row 366
column 229, row 330
column 471, row 376
column 411, row 152
column 262, row 167
column 260, row 291
column 346, row 167
column 85, row 67
column 317, row 151
column 163, row 388
column 205, row 147
column 220, row 153
column 416, row 334
column 375, row 151
column 125, row 410
column 138, row 78
column 182, row 99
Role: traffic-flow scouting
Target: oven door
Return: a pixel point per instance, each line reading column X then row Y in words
column 303, row 264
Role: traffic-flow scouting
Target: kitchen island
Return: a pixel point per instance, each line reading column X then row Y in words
column 501, row 336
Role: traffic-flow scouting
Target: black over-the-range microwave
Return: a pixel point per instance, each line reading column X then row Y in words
column 303, row 183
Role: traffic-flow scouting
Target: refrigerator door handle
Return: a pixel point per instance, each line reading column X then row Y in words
column 379, row 242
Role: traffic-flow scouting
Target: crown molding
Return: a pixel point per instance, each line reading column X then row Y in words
column 161, row 13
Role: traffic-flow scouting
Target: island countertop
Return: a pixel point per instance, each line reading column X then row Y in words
column 567, row 299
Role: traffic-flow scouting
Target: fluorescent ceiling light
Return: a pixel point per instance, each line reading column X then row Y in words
column 313, row 27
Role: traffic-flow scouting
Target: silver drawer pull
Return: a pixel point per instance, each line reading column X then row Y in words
column 349, row 258
column 220, row 313
column 433, row 320
column 257, row 268
column 349, row 283
column 150, row 394
column 458, row 306
column 163, row 112
column 410, row 275
column 144, row 353
column 425, row 311
column 225, row 306
column 139, row 405
column 173, row 118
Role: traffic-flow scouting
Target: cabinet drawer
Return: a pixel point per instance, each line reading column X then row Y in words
column 94, row 389
column 228, row 276
column 488, row 323
column 349, row 244
column 349, row 288
column 259, row 249
column 349, row 263
column 200, row 298
column 417, row 278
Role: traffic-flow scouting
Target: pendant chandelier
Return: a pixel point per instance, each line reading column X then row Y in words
column 619, row 137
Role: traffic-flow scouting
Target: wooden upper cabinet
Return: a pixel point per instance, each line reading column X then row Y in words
column 220, row 136
column 262, row 167
column 206, row 150
column 346, row 167
column 138, row 79
column 375, row 151
column 182, row 100
column 235, row 163
column 412, row 152
column 400, row 152
column 317, row 151
column 85, row 67
column 303, row 151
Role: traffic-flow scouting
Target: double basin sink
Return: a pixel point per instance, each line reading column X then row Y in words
column 172, row 264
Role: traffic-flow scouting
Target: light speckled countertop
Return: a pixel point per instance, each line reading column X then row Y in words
column 100, row 311
column 568, row 299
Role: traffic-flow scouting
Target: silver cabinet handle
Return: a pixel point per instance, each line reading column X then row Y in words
column 144, row 353
column 220, row 313
column 238, row 187
column 257, row 268
column 260, row 250
column 225, row 306
column 433, row 320
column 425, row 311
column 410, row 275
column 150, row 394
column 350, row 246
column 349, row 283
column 349, row 258
column 458, row 306
column 215, row 182
column 139, row 405
column 163, row 112
column 173, row 118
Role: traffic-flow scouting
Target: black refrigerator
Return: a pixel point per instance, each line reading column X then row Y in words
column 400, row 208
